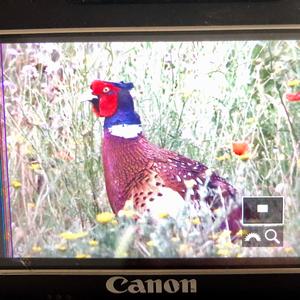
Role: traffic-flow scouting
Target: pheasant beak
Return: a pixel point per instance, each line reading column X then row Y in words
column 95, row 104
column 94, row 101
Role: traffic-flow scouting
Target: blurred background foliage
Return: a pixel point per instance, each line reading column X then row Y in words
column 196, row 98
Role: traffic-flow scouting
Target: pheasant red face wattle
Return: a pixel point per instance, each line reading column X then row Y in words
column 108, row 105
column 107, row 98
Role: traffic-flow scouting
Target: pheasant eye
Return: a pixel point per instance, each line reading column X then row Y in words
column 106, row 90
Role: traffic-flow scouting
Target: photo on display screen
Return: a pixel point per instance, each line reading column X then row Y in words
column 151, row 149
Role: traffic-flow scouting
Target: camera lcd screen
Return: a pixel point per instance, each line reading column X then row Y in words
column 151, row 149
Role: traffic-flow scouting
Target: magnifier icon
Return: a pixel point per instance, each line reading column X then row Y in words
column 271, row 236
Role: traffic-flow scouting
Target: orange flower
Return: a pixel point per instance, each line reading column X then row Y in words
column 295, row 97
column 240, row 148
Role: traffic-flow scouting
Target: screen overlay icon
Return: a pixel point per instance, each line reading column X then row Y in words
column 263, row 220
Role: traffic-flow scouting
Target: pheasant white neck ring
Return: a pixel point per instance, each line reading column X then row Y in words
column 126, row 131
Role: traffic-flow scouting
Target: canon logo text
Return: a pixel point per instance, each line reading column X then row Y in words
column 120, row 285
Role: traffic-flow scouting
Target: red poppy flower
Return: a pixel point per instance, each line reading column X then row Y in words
column 240, row 148
column 293, row 97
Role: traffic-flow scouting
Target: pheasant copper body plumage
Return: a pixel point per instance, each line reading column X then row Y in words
column 154, row 179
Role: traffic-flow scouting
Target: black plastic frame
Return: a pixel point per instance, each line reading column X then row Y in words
column 36, row 20
column 37, row 14
column 229, row 264
column 194, row 264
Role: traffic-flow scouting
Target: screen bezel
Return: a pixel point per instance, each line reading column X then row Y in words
column 111, row 266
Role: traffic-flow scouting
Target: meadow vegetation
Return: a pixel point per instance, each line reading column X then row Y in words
column 196, row 98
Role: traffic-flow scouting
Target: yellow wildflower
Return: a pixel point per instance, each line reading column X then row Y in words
column 82, row 255
column 196, row 221
column 242, row 232
column 214, row 236
column 225, row 234
column 35, row 166
column 114, row 222
column 16, row 184
column 36, row 249
column 223, row 157
column 223, row 252
column 20, row 139
column 93, row 243
column 187, row 94
column 163, row 215
column 70, row 236
column 293, row 83
column 61, row 247
column 175, row 239
column 105, row 217
column 245, row 156
column 218, row 211
column 289, row 250
column 31, row 205
column 128, row 213
column 30, row 150
column 122, row 254
column 250, row 121
column 298, row 163
column 225, row 245
column 185, row 250
column 150, row 243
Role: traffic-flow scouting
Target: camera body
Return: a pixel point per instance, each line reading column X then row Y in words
column 38, row 22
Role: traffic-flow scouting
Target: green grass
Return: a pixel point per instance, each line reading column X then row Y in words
column 195, row 98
